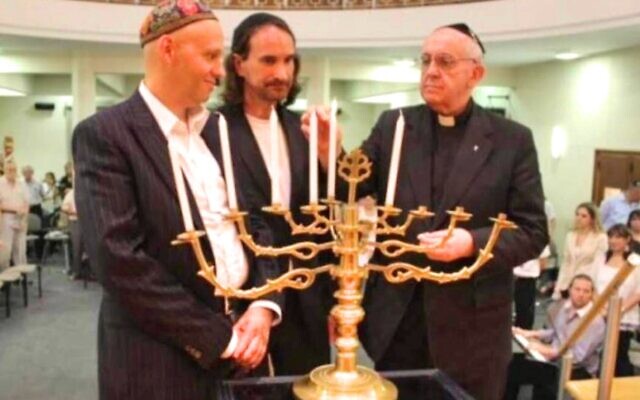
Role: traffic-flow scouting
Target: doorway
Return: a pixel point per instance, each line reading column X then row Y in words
column 613, row 172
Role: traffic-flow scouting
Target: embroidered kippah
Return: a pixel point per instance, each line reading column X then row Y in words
column 170, row 15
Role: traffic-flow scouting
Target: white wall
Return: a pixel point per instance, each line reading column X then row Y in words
column 596, row 101
column 39, row 135
column 356, row 119
column 42, row 137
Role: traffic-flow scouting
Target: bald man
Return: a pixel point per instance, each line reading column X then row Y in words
column 162, row 334
column 454, row 153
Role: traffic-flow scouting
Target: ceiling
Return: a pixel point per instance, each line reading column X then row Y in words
column 513, row 52
column 499, row 53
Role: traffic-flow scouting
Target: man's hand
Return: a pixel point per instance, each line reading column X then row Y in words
column 253, row 330
column 524, row 333
column 547, row 351
column 324, row 115
column 459, row 245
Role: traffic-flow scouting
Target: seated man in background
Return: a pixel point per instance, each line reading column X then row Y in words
column 616, row 209
column 547, row 342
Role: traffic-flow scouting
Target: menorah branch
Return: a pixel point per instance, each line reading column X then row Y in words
column 384, row 228
column 301, row 250
column 393, row 248
column 319, row 226
column 399, row 272
column 298, row 279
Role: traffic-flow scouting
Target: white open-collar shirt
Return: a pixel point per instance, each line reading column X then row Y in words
column 207, row 185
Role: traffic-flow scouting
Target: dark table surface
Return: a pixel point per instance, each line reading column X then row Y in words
column 412, row 385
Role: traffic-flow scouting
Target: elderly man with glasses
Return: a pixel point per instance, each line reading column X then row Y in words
column 454, row 153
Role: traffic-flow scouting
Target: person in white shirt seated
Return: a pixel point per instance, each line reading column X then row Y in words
column 629, row 292
column 547, row 342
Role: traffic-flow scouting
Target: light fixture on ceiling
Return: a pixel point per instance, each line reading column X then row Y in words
column 404, row 63
column 566, row 56
column 6, row 92
column 394, row 100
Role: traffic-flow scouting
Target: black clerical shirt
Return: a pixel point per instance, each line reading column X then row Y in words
column 446, row 143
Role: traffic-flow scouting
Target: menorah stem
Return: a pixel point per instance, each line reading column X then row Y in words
column 346, row 380
column 348, row 313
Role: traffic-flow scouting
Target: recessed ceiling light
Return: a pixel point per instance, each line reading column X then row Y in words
column 404, row 63
column 567, row 55
column 4, row 92
column 387, row 98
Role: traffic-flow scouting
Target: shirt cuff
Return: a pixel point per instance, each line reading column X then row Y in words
column 270, row 305
column 231, row 347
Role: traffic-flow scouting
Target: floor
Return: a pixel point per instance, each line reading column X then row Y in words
column 48, row 350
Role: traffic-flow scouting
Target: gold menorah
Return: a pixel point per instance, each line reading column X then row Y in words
column 345, row 379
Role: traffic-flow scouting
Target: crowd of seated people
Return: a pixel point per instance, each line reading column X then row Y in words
column 31, row 206
column 588, row 261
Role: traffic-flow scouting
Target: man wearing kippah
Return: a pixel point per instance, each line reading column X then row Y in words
column 262, row 72
column 161, row 332
column 454, row 153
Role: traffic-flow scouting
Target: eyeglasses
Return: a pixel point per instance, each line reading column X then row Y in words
column 443, row 61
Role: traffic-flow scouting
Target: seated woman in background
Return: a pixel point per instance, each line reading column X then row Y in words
column 629, row 292
column 634, row 226
column 51, row 198
column 584, row 248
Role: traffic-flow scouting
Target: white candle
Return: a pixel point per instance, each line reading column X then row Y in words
column 313, row 159
column 395, row 160
column 183, row 199
column 227, row 162
column 275, row 157
column 333, row 127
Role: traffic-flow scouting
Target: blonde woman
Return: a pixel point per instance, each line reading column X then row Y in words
column 585, row 248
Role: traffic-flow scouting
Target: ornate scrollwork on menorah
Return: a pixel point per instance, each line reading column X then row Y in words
column 344, row 379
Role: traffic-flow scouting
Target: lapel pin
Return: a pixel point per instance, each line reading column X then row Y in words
column 475, row 148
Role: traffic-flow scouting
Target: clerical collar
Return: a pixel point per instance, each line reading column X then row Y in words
column 449, row 121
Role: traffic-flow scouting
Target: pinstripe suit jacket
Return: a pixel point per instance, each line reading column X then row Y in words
column 161, row 330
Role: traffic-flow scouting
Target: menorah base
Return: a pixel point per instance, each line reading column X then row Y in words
column 326, row 382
